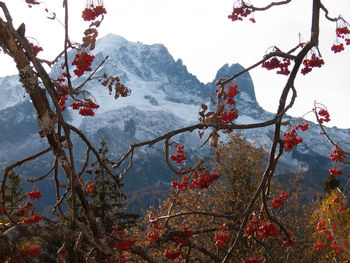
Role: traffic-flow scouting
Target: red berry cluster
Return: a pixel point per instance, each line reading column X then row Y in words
column 262, row 228
column 251, row 260
column 291, row 136
column 155, row 225
column 33, row 251
column 228, row 116
column 181, row 186
column 34, row 195
column 343, row 33
column 124, row 244
column 204, row 180
column 319, row 245
column 24, row 210
column 337, row 155
column 275, row 62
column 291, row 140
column 172, row 254
column 287, row 243
column 91, row 13
column 62, row 98
column 85, row 108
column 62, row 255
column 341, row 206
column 241, row 11
column 200, row 182
column 324, row 115
column 153, row 235
column 232, row 91
column 30, row 220
column 336, row 171
column 320, row 226
column 186, row 234
column 2, row 209
column 302, row 127
column 36, row 49
column 337, row 48
column 64, row 74
column 83, row 62
column 315, row 61
column 221, row 238
column 179, row 155
column 60, row 79
column 336, row 248
column 90, row 189
column 276, row 203
column 227, row 111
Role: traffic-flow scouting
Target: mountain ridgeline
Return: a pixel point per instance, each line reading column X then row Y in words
column 165, row 96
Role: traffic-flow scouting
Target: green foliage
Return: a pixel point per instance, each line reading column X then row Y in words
column 330, row 183
column 108, row 204
column 106, row 199
column 14, row 189
column 332, row 212
column 14, row 194
column 241, row 166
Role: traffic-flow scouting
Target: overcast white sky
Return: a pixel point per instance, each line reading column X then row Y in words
column 199, row 32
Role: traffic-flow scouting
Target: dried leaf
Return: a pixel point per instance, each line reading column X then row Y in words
column 213, row 119
column 204, row 107
column 86, row 41
column 89, row 31
column 104, row 83
column 210, row 113
column 220, row 109
column 213, row 140
column 92, row 43
column 32, row 2
column 96, row 23
column 227, row 131
column 212, row 100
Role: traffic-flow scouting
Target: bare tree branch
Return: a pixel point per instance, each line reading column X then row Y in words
column 12, row 166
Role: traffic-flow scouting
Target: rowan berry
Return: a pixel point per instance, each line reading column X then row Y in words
column 34, row 195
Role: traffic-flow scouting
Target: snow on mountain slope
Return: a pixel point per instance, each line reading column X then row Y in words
column 165, row 96
column 11, row 92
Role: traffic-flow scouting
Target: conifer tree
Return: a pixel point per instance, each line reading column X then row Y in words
column 14, row 195
column 15, row 187
column 106, row 200
column 330, row 183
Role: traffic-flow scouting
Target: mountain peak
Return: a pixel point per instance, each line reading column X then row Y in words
column 245, row 83
column 110, row 42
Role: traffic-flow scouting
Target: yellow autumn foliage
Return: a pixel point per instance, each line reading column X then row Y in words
column 332, row 229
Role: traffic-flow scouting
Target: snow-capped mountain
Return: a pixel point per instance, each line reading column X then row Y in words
column 164, row 97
